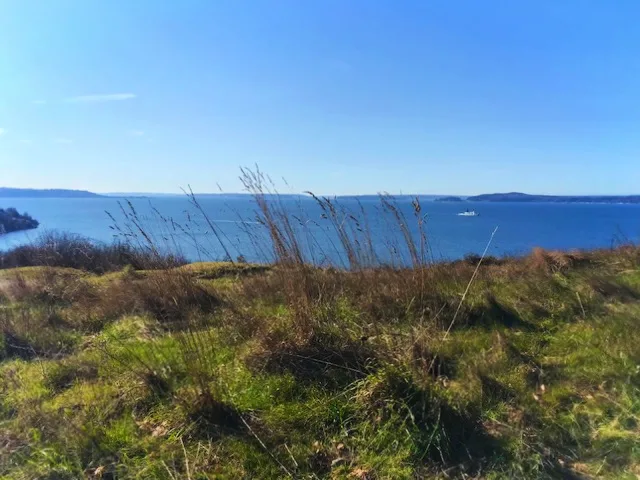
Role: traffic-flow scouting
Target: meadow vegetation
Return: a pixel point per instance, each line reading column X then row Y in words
column 513, row 368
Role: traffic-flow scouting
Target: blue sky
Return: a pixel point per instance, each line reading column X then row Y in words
column 338, row 97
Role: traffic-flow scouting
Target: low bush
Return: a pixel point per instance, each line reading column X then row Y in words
column 74, row 251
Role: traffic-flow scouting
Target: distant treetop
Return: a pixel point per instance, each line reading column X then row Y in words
column 12, row 221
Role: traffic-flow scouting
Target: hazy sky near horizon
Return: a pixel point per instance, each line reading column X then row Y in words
column 338, row 97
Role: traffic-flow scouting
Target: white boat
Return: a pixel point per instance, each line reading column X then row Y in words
column 469, row 213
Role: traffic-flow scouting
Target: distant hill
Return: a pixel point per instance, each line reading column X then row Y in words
column 523, row 197
column 183, row 195
column 52, row 193
column 376, row 197
column 12, row 221
column 449, row 199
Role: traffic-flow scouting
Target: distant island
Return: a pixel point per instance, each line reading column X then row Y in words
column 6, row 192
column 523, row 197
column 49, row 193
column 449, row 199
column 12, row 221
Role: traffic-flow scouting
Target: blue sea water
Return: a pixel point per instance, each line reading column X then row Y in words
column 521, row 226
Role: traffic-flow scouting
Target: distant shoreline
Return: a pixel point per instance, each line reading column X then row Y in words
column 45, row 193
column 513, row 197
column 526, row 198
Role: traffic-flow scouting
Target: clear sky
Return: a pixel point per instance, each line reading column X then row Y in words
column 337, row 96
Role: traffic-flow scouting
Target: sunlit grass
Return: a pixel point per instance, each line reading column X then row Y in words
column 233, row 370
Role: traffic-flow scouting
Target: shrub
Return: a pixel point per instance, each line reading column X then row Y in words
column 74, row 251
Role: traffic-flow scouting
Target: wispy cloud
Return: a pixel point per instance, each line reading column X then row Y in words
column 38, row 102
column 136, row 133
column 63, row 141
column 2, row 131
column 107, row 97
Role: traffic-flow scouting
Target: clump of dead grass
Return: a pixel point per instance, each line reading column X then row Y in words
column 54, row 249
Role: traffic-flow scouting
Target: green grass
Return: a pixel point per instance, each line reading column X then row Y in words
column 323, row 374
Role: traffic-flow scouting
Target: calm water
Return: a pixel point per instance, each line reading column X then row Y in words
column 520, row 226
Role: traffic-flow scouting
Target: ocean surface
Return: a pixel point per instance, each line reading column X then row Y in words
column 176, row 225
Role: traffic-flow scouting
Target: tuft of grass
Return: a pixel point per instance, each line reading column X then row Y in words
column 506, row 368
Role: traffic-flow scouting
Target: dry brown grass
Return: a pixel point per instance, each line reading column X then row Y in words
column 555, row 261
column 171, row 296
column 366, row 348
column 73, row 251
column 46, row 297
column 44, row 285
column 432, row 360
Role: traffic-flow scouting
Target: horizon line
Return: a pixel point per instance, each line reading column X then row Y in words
column 306, row 193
